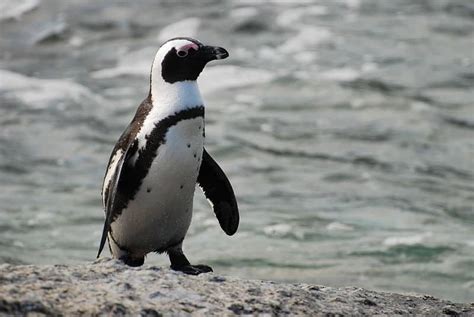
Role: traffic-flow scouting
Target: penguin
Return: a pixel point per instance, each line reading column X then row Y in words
column 149, row 184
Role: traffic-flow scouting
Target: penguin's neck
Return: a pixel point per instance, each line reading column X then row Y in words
column 168, row 99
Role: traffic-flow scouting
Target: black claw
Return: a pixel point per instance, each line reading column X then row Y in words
column 192, row 269
column 204, row 268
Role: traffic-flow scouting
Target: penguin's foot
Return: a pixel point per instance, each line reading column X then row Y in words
column 132, row 261
column 180, row 263
column 192, row 269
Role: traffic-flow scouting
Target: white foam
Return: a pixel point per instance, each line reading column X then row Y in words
column 282, row 229
column 230, row 76
column 289, row 17
column 243, row 13
column 353, row 4
column 368, row 67
column 420, row 106
column 407, row 240
column 40, row 93
column 305, row 57
column 270, row 54
column 14, row 9
column 18, row 244
column 470, row 243
column 139, row 68
column 279, row 229
column 340, row 74
column 76, row 41
column 135, row 63
column 338, row 226
column 307, row 38
column 187, row 27
column 279, row 2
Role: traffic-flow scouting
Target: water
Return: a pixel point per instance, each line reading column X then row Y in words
column 346, row 128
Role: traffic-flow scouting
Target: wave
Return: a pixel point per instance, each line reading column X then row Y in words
column 14, row 9
column 186, row 27
column 42, row 93
column 459, row 122
column 364, row 160
column 374, row 85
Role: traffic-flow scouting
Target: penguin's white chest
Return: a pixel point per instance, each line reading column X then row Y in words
column 161, row 211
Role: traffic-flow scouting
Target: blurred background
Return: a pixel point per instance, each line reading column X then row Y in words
column 346, row 128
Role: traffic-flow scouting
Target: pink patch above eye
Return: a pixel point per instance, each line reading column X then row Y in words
column 186, row 47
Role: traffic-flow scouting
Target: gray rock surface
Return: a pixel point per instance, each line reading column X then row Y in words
column 107, row 287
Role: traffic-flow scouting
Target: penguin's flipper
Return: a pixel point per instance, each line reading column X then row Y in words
column 113, row 191
column 219, row 193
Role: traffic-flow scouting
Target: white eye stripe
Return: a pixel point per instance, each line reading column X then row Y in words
column 183, row 51
column 164, row 49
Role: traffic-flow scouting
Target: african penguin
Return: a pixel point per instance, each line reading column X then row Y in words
column 149, row 185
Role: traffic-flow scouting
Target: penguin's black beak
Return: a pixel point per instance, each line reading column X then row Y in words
column 214, row 52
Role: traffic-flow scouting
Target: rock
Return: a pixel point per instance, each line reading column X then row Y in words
column 107, row 287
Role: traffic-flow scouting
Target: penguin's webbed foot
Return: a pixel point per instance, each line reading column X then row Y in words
column 180, row 263
column 192, row 269
column 130, row 261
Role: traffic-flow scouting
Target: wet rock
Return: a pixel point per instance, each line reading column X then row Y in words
column 149, row 312
column 107, row 287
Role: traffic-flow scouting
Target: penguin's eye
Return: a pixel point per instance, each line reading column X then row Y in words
column 182, row 53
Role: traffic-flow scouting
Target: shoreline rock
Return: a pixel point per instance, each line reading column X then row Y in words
column 109, row 287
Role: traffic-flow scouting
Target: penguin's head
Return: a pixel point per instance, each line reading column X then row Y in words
column 182, row 59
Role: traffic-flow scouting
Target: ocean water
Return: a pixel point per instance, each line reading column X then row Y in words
column 346, row 128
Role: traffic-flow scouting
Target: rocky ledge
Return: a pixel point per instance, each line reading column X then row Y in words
column 108, row 287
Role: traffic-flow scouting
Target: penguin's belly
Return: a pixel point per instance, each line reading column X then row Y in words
column 160, row 214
